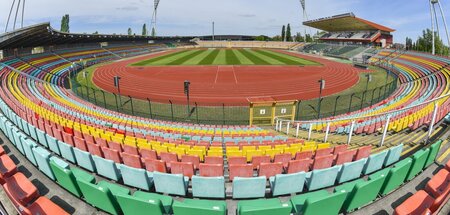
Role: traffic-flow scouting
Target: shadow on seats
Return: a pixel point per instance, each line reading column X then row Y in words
column 63, row 204
column 382, row 212
column 422, row 184
column 400, row 200
column 22, row 169
column 43, row 190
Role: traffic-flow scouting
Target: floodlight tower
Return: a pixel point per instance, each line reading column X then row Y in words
column 305, row 15
column 11, row 11
column 434, row 22
column 155, row 12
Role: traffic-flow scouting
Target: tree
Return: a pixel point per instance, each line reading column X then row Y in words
column 96, row 32
column 424, row 43
column 409, row 43
column 288, row 33
column 130, row 32
column 153, row 32
column 308, row 38
column 262, row 38
column 283, row 33
column 65, row 24
column 299, row 37
column 144, row 30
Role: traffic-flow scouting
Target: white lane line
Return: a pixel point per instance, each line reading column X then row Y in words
column 234, row 73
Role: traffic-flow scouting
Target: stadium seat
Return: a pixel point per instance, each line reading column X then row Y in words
column 298, row 201
column 339, row 148
column 213, row 160
column 323, row 152
column 148, row 154
column 136, row 177
column 322, row 178
column 67, row 152
column 257, row 160
column 263, row 207
column 439, row 184
column 131, row 160
column 142, row 203
column 322, row 162
column 253, row 187
column 211, row 170
column 7, row 168
column 240, row 170
column 208, row 187
column 175, row 184
column 344, row 157
column 283, row 184
column 419, row 203
column 155, row 165
column 270, row 169
column 330, row 204
column 194, row 159
column 84, row 159
column 363, row 152
column 434, row 150
column 350, row 171
column 107, row 168
column 283, row 158
column 168, row 158
column 42, row 157
column 393, row 155
column 299, row 165
column 184, row 168
column 43, row 205
column 20, row 190
column 418, row 162
column 304, row 155
column 237, row 160
column 191, row 206
column 396, row 176
column 375, row 162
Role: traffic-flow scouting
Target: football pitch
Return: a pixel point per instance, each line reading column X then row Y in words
column 195, row 57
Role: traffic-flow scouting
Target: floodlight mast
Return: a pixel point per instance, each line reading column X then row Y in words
column 11, row 11
column 434, row 21
column 154, row 16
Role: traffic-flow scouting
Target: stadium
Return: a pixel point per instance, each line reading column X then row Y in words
column 344, row 121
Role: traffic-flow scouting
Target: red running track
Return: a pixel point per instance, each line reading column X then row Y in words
column 232, row 85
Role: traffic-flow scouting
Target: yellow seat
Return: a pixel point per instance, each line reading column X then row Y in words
column 264, row 148
column 282, row 146
column 232, row 148
column 130, row 142
column 179, row 151
column 273, row 152
column 215, row 148
column 247, row 148
column 203, row 148
column 198, row 152
column 323, row 146
column 292, row 150
column 117, row 139
column 309, row 148
column 235, row 153
column 251, row 153
column 170, row 145
column 160, row 149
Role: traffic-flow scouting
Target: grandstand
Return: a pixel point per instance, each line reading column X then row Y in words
column 61, row 154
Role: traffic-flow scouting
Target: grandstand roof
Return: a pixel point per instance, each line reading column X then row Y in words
column 44, row 35
column 345, row 22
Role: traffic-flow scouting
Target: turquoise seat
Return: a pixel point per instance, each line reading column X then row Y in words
column 393, row 155
column 175, row 184
column 67, row 151
column 143, row 203
column 42, row 157
column 351, row 170
column 19, row 139
column 84, row 159
column 28, row 146
column 53, row 144
column 194, row 207
column 322, row 178
column 375, row 162
column 283, row 184
column 253, row 187
column 208, row 187
column 264, row 207
column 41, row 138
column 32, row 131
column 139, row 178
column 106, row 168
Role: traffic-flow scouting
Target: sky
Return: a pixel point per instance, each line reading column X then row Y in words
column 246, row 17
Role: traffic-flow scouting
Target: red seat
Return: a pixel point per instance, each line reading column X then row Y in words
column 213, row 160
column 155, row 165
column 194, row 159
column 130, row 149
column 7, row 168
column 112, row 154
column 323, row 152
column 439, row 188
column 20, row 190
column 240, row 170
column 94, row 149
column 340, row 148
column 363, row 152
column 168, row 157
column 115, row 146
column 344, row 157
column 211, row 170
column 270, row 169
column 257, row 160
column 57, row 134
column 68, row 138
column 447, row 165
column 304, row 155
column 299, row 166
column 185, row 168
column 131, row 160
column 237, row 160
column 323, row 162
column 283, row 158
column 101, row 142
column 44, row 206
column 149, row 154
column 416, row 204
column 80, row 144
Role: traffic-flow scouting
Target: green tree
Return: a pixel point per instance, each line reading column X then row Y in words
column 425, row 42
column 144, row 30
column 153, row 32
column 130, row 32
column 283, row 33
column 299, row 37
column 308, row 38
column 288, row 33
column 96, row 32
column 262, row 38
column 65, row 24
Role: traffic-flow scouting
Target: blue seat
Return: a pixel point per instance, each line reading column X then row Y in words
column 53, row 144
column 28, row 146
column 351, row 170
column 42, row 157
column 32, row 130
column 254, row 187
column 67, row 151
column 322, row 178
column 375, row 162
column 208, row 187
column 175, row 184
column 106, row 168
column 139, row 178
column 393, row 155
column 41, row 138
column 283, row 184
column 84, row 159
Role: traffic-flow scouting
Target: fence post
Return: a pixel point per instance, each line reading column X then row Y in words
column 196, row 111
column 318, row 111
column 350, row 133
column 363, row 97
column 87, row 94
column 150, row 108
column 95, row 96
column 104, row 98
column 132, row 107
column 171, row 109
column 223, row 113
column 117, row 106
column 433, row 120
column 327, row 132
column 379, row 94
column 276, row 124
column 298, row 109
column 298, row 129
column 310, row 131
column 373, row 93
column 385, row 129
column 335, row 105
column 351, row 100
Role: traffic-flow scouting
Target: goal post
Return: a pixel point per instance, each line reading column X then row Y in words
column 264, row 113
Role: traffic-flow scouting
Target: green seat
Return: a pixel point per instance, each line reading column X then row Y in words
column 42, row 157
column 330, row 204
column 418, row 162
column 375, row 162
column 348, row 186
column 102, row 195
column 434, row 150
column 197, row 207
column 66, row 176
column 263, row 207
column 143, row 203
column 396, row 176
column 298, row 202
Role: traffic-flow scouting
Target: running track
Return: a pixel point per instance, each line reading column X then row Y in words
column 226, row 84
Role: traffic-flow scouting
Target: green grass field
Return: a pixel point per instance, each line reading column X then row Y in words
column 225, row 57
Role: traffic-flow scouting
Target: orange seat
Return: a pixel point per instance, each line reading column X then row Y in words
column 149, row 154
column 439, row 184
column 416, row 204
column 20, row 190
column 213, row 160
column 131, row 160
column 112, row 154
column 7, row 168
column 169, row 157
column 304, row 155
column 115, row 146
column 344, row 157
column 211, row 170
column 323, row 152
column 363, row 152
column 257, row 160
column 94, row 149
column 322, row 162
column 44, row 206
column 299, row 166
column 240, row 170
column 237, row 160
column 185, row 168
column 270, row 169
column 340, row 148
column 194, row 159
column 130, row 149
column 283, row 158
column 155, row 165
column 68, row 138
column 80, row 144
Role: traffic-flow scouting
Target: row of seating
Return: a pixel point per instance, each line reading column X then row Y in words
column 430, row 200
